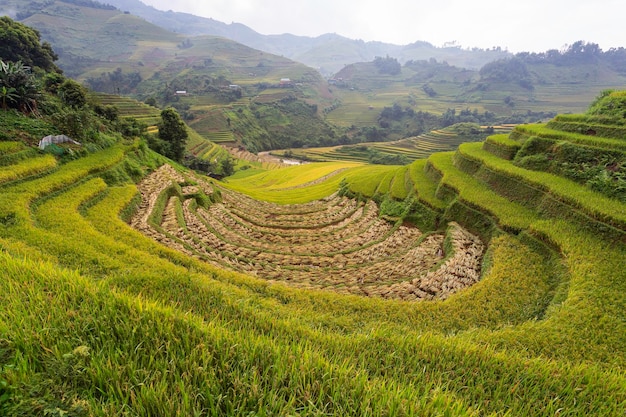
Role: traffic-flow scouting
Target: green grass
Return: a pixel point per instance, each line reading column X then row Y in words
column 510, row 216
column 367, row 180
column 592, row 203
column 98, row 319
column 413, row 148
column 130, row 108
column 7, row 148
column 267, row 185
column 502, row 145
column 401, row 184
column 27, row 167
column 425, row 187
column 544, row 132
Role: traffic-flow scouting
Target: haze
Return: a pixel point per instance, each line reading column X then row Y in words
column 531, row 25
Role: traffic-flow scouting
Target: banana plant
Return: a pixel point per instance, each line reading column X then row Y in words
column 7, row 95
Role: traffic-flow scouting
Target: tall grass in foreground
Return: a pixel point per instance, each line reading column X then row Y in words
column 98, row 319
column 27, row 167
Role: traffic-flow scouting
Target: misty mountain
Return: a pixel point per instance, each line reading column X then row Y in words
column 328, row 53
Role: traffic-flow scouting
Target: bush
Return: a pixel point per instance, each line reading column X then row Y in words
column 73, row 94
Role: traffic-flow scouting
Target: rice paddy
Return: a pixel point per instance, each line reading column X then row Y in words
column 461, row 284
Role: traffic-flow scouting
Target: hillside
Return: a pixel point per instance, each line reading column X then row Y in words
column 207, row 78
column 523, row 89
column 249, row 99
column 328, row 53
column 484, row 281
column 398, row 152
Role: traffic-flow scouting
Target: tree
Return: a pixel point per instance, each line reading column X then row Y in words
column 448, row 118
column 228, row 166
column 388, row 65
column 173, row 131
column 512, row 70
column 73, row 94
column 19, row 42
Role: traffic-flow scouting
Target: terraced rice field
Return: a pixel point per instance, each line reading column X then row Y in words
column 129, row 107
column 414, row 148
column 221, row 136
column 98, row 318
column 335, row 243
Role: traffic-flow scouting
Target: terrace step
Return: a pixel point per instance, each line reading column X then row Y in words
column 27, row 167
column 220, row 136
column 589, row 125
column 543, row 191
column 509, row 216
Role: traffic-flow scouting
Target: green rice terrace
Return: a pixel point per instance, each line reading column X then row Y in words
column 484, row 281
column 130, row 108
column 403, row 150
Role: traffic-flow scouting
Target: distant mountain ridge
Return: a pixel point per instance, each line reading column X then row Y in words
column 328, row 53
column 231, row 92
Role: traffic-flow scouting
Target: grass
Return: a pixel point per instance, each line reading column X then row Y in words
column 592, row 203
column 130, row 108
column 544, row 132
column 99, row 319
column 510, row 216
column 424, row 186
column 267, row 185
column 401, row 185
column 7, row 148
column 27, row 167
column 411, row 149
column 502, row 146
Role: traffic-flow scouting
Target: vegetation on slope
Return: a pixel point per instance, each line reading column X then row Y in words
column 133, row 326
column 119, row 53
column 511, row 90
column 100, row 319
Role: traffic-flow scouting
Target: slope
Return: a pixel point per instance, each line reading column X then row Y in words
column 328, row 53
column 364, row 89
column 100, row 319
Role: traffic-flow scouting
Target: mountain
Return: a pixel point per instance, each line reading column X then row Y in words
column 185, row 23
column 525, row 88
column 93, row 40
column 230, row 92
column 204, row 77
column 328, row 53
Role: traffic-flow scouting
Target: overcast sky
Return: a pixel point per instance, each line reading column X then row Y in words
column 522, row 25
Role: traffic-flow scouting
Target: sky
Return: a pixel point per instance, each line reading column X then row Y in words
column 521, row 25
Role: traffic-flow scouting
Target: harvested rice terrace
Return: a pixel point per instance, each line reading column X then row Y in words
column 541, row 332
column 336, row 243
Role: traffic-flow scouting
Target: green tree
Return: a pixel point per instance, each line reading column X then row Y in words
column 52, row 81
column 513, row 70
column 388, row 65
column 73, row 94
column 173, row 131
column 228, row 166
column 19, row 42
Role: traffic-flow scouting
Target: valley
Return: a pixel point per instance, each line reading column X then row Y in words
column 444, row 250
